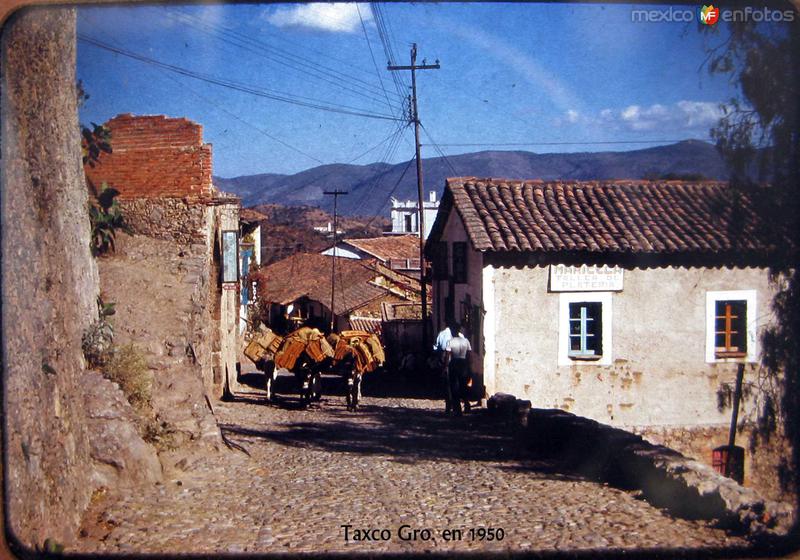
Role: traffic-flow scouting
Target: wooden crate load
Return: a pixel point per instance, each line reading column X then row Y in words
column 364, row 347
column 263, row 345
column 305, row 339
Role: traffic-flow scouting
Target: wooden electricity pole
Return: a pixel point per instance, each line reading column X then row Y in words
column 420, row 192
column 335, row 194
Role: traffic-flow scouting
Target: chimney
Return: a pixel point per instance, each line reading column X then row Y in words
column 432, row 196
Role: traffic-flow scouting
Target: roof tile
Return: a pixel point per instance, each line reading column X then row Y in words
column 599, row 217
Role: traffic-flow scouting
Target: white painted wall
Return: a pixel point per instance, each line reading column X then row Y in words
column 657, row 374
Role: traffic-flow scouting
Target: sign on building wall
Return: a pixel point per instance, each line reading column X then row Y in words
column 585, row 278
column 230, row 256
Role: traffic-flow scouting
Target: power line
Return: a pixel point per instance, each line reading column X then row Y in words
column 391, row 192
column 234, row 85
column 288, row 59
column 439, row 150
column 564, row 143
column 377, row 12
column 241, row 120
column 372, row 55
column 391, row 149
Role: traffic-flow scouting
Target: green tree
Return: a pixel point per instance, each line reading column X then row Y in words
column 759, row 137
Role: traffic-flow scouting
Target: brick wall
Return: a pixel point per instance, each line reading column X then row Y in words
column 155, row 156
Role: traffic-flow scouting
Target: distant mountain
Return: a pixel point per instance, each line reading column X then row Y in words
column 371, row 186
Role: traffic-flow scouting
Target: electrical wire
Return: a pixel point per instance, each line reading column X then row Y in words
column 439, row 150
column 377, row 13
column 285, row 58
column 509, row 144
column 391, row 192
column 374, row 63
column 219, row 107
column 388, row 155
column 296, row 100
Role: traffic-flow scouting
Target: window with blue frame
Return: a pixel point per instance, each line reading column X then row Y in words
column 585, row 329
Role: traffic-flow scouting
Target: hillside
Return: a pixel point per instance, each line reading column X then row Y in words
column 371, row 186
column 290, row 230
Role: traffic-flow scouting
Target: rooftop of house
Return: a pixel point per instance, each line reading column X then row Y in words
column 309, row 275
column 387, row 248
column 633, row 217
column 250, row 216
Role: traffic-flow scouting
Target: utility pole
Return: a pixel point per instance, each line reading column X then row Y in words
column 420, row 192
column 335, row 194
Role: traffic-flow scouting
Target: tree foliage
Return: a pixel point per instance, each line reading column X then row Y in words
column 758, row 137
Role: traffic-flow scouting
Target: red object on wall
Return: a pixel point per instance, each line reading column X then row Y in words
column 155, row 156
column 734, row 469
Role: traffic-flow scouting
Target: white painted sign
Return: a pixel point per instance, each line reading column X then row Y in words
column 585, row 278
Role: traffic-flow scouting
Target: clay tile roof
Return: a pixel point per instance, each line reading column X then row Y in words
column 388, row 247
column 309, row 274
column 601, row 217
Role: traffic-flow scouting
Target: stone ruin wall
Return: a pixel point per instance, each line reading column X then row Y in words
column 162, row 169
column 766, row 460
column 50, row 281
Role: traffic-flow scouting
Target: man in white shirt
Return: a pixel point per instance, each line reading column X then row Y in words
column 456, row 352
column 439, row 349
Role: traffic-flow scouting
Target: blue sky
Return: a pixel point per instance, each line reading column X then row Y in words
column 516, row 73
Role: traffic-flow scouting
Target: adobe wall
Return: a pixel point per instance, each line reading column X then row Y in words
column 50, row 281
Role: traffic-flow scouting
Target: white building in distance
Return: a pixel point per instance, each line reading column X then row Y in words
column 405, row 215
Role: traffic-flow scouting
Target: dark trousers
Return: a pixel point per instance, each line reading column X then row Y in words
column 457, row 372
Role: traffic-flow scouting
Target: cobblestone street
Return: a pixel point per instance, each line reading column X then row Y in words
column 396, row 466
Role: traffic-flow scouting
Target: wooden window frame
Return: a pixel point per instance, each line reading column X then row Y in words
column 731, row 353
column 731, row 324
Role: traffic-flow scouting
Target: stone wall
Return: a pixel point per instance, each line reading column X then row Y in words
column 50, row 280
column 159, row 289
column 766, row 459
column 167, row 218
column 666, row 478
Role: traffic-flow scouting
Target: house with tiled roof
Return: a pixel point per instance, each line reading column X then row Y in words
column 399, row 252
column 628, row 302
column 297, row 290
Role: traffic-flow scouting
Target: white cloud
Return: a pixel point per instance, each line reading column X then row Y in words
column 684, row 116
column 336, row 17
column 572, row 116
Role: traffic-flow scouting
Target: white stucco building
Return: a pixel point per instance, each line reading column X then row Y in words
column 405, row 215
column 630, row 302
